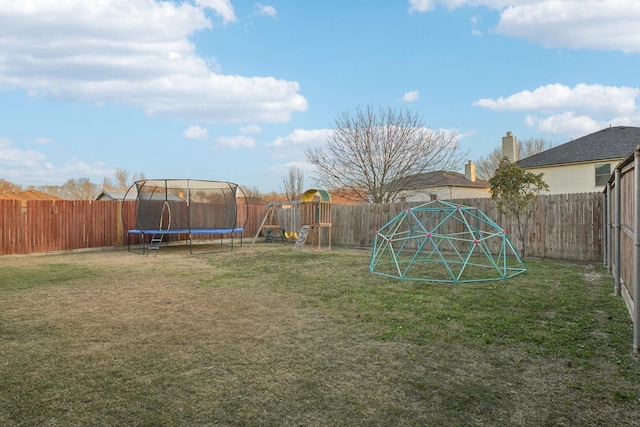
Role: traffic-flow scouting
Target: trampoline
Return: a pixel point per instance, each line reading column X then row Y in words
column 168, row 209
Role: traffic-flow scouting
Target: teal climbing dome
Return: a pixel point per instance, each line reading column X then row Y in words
column 440, row 241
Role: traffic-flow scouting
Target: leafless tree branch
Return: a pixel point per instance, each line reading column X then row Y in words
column 375, row 153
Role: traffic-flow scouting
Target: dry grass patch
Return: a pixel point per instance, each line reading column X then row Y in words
column 268, row 336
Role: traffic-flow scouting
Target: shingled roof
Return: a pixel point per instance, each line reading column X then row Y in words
column 440, row 179
column 609, row 143
column 116, row 195
column 28, row 195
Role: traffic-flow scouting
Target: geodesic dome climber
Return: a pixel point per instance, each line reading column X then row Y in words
column 188, row 208
column 440, row 241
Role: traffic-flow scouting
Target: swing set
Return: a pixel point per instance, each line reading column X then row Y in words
column 311, row 216
column 272, row 228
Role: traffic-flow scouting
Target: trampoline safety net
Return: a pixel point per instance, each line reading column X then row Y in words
column 185, row 204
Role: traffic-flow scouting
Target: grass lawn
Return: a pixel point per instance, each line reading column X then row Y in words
column 264, row 336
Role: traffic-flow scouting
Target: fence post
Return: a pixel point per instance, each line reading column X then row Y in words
column 119, row 223
column 636, row 251
column 605, row 227
column 617, row 232
column 23, row 231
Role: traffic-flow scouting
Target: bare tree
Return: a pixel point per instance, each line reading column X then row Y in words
column 138, row 177
column 80, row 188
column 123, row 180
column 8, row 187
column 374, row 154
column 52, row 190
column 107, row 184
column 293, row 183
column 273, row 196
column 487, row 165
column 251, row 192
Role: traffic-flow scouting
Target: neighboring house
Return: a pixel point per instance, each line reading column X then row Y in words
column 444, row 185
column 28, row 195
column 581, row 165
column 116, row 195
column 133, row 195
column 347, row 197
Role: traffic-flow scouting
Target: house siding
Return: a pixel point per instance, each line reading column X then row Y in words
column 577, row 178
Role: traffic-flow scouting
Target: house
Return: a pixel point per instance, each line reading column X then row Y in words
column 117, row 195
column 444, row 185
column 132, row 194
column 28, row 195
column 581, row 165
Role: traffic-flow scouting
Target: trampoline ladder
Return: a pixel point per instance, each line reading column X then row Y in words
column 154, row 243
column 302, row 237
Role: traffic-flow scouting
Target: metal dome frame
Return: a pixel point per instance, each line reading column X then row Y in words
column 439, row 241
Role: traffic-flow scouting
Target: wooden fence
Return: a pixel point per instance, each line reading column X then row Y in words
column 564, row 226
column 622, row 235
column 30, row 226
column 567, row 226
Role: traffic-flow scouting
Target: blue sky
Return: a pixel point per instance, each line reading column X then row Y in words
column 237, row 90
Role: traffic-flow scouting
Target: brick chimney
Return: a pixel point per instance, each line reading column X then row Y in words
column 509, row 147
column 470, row 171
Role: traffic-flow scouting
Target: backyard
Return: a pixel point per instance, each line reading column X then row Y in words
column 265, row 336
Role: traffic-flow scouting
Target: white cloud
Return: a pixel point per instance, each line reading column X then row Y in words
column 421, row 5
column 428, row 5
column 571, row 111
column 11, row 157
column 591, row 24
column 237, row 141
column 222, row 8
column 43, row 140
column 475, row 20
column 79, row 169
column 195, row 132
column 265, row 10
column 588, row 24
column 301, row 137
column 594, row 99
column 411, row 96
column 30, row 167
column 251, row 130
column 568, row 123
column 134, row 52
column 572, row 124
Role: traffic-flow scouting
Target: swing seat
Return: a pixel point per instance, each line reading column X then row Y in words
column 291, row 235
column 269, row 237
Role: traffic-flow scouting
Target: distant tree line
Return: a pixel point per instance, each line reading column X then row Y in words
column 78, row 189
column 84, row 189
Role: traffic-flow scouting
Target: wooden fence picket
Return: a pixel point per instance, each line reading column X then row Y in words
column 565, row 226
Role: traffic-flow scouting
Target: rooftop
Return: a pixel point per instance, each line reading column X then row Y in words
column 440, row 179
column 609, row 143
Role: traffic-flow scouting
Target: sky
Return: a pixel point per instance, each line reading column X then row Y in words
column 237, row 90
